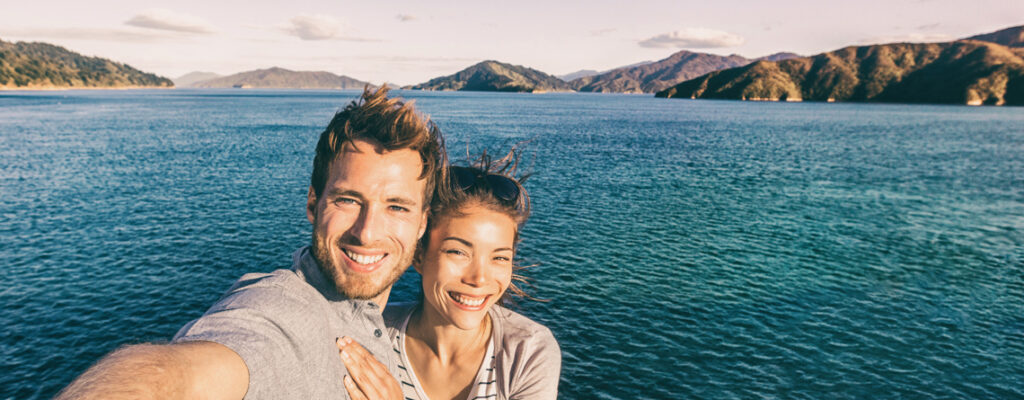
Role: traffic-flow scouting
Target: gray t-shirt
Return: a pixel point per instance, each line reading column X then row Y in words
column 284, row 326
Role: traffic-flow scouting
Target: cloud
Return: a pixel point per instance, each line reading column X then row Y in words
column 170, row 21
column 314, row 27
column 696, row 38
column 405, row 17
column 111, row 35
column 909, row 38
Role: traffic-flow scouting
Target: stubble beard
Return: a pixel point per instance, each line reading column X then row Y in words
column 350, row 285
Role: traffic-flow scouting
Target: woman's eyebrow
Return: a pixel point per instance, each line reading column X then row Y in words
column 458, row 239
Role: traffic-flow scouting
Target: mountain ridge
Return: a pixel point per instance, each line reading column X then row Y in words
column 192, row 77
column 960, row 72
column 38, row 65
column 281, row 78
column 1009, row 37
column 496, row 76
column 654, row 76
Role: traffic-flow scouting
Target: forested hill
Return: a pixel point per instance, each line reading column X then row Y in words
column 655, row 76
column 1009, row 37
column 494, row 76
column 961, row 72
column 281, row 78
column 25, row 65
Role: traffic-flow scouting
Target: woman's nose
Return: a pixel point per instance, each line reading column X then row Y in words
column 476, row 272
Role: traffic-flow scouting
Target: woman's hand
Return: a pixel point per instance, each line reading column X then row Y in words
column 367, row 378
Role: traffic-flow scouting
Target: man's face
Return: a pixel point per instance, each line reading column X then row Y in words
column 368, row 219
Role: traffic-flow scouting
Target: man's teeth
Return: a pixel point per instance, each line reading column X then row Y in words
column 467, row 300
column 359, row 258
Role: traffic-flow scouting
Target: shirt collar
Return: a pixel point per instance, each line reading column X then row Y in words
column 305, row 265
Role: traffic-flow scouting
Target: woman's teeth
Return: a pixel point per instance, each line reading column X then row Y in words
column 467, row 300
column 359, row 258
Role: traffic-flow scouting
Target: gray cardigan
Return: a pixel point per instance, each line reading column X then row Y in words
column 527, row 356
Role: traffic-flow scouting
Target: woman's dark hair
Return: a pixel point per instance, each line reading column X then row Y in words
column 490, row 183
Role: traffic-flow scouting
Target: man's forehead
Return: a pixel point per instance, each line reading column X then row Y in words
column 396, row 172
column 362, row 145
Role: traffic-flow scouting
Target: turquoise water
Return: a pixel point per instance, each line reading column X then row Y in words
column 689, row 249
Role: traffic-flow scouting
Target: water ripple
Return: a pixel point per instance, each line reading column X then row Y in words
column 688, row 249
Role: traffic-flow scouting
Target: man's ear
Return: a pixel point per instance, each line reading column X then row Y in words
column 417, row 259
column 311, row 201
column 423, row 225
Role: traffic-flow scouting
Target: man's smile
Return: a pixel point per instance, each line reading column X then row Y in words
column 361, row 262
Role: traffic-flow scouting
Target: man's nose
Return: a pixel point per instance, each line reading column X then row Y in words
column 366, row 227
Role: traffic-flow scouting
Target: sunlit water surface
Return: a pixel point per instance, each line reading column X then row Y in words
column 689, row 249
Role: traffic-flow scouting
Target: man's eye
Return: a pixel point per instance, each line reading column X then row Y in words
column 399, row 209
column 345, row 200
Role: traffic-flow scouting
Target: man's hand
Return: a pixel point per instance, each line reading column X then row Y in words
column 196, row 370
column 367, row 378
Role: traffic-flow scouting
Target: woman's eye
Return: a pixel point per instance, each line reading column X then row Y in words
column 455, row 252
column 502, row 259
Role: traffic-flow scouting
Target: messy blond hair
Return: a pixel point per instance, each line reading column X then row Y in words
column 391, row 122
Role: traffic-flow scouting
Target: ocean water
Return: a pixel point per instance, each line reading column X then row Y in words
column 687, row 249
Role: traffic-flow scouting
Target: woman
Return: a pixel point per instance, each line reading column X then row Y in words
column 458, row 342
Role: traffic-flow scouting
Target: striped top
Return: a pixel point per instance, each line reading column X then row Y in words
column 486, row 377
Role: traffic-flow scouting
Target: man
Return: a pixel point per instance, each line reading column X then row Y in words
column 272, row 336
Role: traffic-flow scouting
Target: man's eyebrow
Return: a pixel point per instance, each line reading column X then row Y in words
column 403, row 201
column 457, row 239
column 347, row 193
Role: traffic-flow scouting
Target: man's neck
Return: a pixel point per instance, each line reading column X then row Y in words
column 382, row 299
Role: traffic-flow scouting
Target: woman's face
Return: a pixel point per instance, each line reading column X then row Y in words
column 468, row 264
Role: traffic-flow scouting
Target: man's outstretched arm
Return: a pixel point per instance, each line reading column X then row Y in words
column 193, row 370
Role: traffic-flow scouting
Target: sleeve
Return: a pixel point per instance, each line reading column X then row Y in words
column 539, row 368
column 255, row 324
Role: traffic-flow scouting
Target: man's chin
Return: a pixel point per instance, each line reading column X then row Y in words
column 361, row 286
column 356, row 285
column 360, row 290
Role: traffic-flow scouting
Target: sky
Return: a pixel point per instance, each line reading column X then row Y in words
column 408, row 42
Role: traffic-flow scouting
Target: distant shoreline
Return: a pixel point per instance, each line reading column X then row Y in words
column 51, row 88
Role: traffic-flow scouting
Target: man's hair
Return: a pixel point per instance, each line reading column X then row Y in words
column 389, row 121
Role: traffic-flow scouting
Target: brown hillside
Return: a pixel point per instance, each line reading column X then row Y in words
column 962, row 72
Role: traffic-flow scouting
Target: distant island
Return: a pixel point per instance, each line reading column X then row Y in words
column 655, row 76
column 496, row 76
column 986, row 69
column 191, row 78
column 281, row 78
column 25, row 65
column 962, row 72
column 578, row 74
